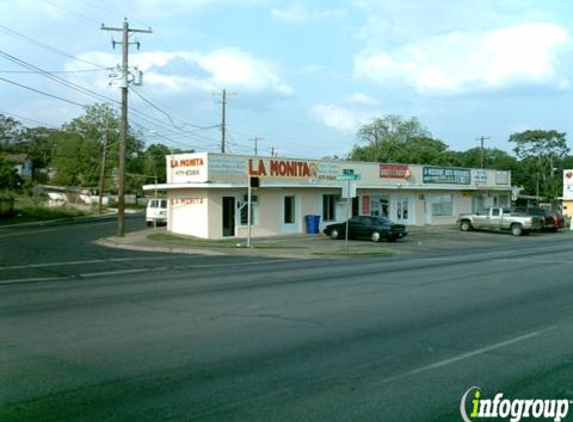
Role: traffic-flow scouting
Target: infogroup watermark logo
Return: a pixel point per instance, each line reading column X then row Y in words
column 513, row 410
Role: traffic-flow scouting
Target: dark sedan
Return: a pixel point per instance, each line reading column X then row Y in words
column 366, row 227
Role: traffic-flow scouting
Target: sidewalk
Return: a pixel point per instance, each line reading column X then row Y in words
column 297, row 246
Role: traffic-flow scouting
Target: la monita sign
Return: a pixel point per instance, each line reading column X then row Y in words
column 283, row 168
column 187, row 162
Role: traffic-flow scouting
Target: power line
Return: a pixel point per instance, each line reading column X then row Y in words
column 37, row 43
column 51, row 71
column 28, row 119
column 166, row 114
column 55, row 78
column 71, row 11
column 42, row 92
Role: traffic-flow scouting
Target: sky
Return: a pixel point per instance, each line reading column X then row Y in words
column 302, row 76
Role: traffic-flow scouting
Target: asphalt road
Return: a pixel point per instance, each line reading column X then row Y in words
column 95, row 334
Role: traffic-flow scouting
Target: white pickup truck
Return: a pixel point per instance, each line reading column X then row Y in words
column 499, row 219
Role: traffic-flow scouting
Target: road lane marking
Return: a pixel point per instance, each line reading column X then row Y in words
column 28, row 280
column 468, row 355
column 28, row 232
column 89, row 261
column 22, row 233
column 132, row 271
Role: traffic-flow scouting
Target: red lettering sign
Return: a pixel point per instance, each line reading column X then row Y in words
column 394, row 171
column 187, row 162
column 292, row 169
column 187, row 201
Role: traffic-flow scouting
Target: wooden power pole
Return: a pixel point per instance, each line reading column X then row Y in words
column 123, row 127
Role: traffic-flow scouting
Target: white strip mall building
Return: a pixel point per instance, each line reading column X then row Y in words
column 207, row 193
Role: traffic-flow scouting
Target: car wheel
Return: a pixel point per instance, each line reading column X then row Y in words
column 334, row 234
column 465, row 226
column 516, row 229
column 375, row 236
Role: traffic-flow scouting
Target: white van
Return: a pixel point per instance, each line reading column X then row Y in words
column 156, row 211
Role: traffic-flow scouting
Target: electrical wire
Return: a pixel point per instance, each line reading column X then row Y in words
column 71, row 85
column 42, row 92
column 166, row 114
column 37, row 43
column 51, row 71
column 50, row 126
column 70, row 11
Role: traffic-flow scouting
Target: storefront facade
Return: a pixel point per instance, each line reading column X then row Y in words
column 207, row 193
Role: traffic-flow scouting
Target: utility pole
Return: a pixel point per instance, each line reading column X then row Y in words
column 272, row 151
column 481, row 140
column 224, row 94
column 102, row 170
column 123, row 127
column 256, row 140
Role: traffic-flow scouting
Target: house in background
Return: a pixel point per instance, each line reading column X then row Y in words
column 22, row 165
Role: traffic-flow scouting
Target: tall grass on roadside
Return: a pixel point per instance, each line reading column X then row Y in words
column 38, row 213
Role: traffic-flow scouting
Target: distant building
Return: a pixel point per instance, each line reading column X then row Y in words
column 207, row 193
column 22, row 165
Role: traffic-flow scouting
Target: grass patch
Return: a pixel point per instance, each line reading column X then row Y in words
column 29, row 214
column 199, row 243
column 176, row 240
column 357, row 252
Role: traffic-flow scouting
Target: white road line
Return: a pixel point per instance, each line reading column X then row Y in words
column 119, row 272
column 467, row 355
column 23, row 233
column 28, row 232
column 90, row 261
column 131, row 271
column 24, row 280
column 159, row 258
column 543, row 261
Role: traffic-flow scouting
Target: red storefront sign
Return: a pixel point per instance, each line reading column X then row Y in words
column 366, row 205
column 394, row 171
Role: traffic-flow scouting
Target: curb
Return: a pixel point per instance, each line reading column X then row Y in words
column 157, row 249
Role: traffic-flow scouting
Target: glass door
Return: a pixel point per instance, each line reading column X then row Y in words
column 401, row 210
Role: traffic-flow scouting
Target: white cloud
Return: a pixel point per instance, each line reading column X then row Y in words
column 220, row 68
column 466, row 62
column 363, row 99
column 298, row 14
column 342, row 119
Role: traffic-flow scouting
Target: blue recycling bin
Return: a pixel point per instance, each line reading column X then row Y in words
column 317, row 223
column 312, row 224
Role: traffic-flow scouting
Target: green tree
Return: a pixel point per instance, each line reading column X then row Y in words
column 9, row 178
column 541, row 152
column 154, row 164
column 10, row 131
column 76, row 160
column 393, row 139
column 493, row 158
column 79, row 150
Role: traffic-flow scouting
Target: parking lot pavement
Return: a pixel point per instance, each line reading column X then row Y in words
column 420, row 241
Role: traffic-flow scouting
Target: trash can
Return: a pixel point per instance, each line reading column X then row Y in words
column 312, row 224
column 317, row 223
